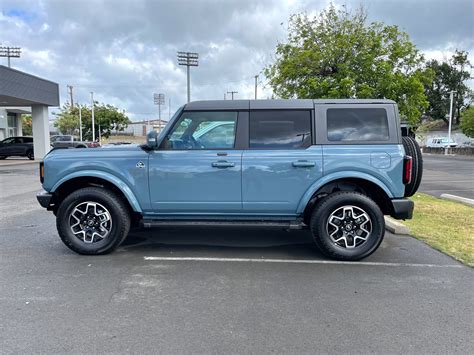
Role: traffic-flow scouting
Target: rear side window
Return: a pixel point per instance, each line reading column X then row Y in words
column 280, row 129
column 357, row 124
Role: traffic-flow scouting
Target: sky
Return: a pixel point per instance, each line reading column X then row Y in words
column 125, row 50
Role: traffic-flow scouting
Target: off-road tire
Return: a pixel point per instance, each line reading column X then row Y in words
column 413, row 149
column 119, row 214
column 319, row 223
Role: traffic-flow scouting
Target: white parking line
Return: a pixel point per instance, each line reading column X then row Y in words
column 293, row 261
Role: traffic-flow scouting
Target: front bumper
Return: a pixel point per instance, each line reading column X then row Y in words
column 402, row 208
column 44, row 198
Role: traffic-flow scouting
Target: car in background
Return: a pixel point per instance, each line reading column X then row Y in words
column 17, row 147
column 69, row 141
column 440, row 142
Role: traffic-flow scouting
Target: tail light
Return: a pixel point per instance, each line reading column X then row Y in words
column 41, row 171
column 407, row 169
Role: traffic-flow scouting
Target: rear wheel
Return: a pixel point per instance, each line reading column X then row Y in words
column 347, row 226
column 413, row 149
column 2, row 157
column 93, row 221
column 30, row 155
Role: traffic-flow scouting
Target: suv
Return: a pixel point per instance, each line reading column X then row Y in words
column 17, row 146
column 333, row 166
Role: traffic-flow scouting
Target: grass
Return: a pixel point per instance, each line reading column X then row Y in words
column 445, row 225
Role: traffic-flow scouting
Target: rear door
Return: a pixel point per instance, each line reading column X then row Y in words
column 361, row 141
column 281, row 161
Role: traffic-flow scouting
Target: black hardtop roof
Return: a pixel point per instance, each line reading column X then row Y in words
column 275, row 104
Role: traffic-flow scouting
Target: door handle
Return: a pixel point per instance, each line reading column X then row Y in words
column 222, row 164
column 303, row 164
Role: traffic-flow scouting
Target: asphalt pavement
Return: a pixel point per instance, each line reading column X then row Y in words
column 203, row 290
column 452, row 174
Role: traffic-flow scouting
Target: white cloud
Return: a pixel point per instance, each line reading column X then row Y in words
column 125, row 50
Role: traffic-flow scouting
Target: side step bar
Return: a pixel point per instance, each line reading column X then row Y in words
column 296, row 224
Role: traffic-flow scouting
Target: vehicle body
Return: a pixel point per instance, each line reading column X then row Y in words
column 441, row 142
column 69, row 141
column 17, row 147
column 334, row 166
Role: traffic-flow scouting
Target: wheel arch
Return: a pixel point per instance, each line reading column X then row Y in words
column 77, row 181
column 375, row 190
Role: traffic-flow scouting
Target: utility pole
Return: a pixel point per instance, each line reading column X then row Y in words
column 169, row 109
column 80, row 123
column 232, row 93
column 188, row 59
column 10, row 52
column 451, row 96
column 256, row 80
column 224, row 97
column 93, row 119
column 70, row 88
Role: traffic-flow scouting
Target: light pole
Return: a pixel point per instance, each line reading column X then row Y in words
column 159, row 99
column 256, row 83
column 80, row 123
column 188, row 59
column 10, row 52
column 451, row 96
column 93, row 118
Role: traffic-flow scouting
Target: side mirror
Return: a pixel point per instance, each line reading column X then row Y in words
column 152, row 139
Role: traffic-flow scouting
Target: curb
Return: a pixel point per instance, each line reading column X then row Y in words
column 396, row 227
column 463, row 200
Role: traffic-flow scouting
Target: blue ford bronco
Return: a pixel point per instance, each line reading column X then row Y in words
column 333, row 166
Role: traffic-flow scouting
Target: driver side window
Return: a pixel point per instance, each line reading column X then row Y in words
column 203, row 130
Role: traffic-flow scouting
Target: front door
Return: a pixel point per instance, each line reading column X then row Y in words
column 281, row 163
column 196, row 170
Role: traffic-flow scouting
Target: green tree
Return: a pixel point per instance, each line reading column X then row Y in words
column 27, row 125
column 338, row 55
column 467, row 121
column 451, row 75
column 107, row 117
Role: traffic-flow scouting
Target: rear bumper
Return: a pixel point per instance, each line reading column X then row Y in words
column 44, row 199
column 402, row 208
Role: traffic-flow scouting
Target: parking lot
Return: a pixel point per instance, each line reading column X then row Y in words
column 217, row 290
column 448, row 174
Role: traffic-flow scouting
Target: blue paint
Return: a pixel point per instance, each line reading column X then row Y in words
column 229, row 183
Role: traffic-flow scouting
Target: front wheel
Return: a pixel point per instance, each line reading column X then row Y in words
column 347, row 226
column 93, row 221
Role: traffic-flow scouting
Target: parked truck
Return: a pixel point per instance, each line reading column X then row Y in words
column 69, row 141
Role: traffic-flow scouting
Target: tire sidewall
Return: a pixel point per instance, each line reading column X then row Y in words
column 332, row 203
column 73, row 242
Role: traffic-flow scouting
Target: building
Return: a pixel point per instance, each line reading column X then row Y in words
column 11, row 121
column 141, row 128
column 20, row 91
